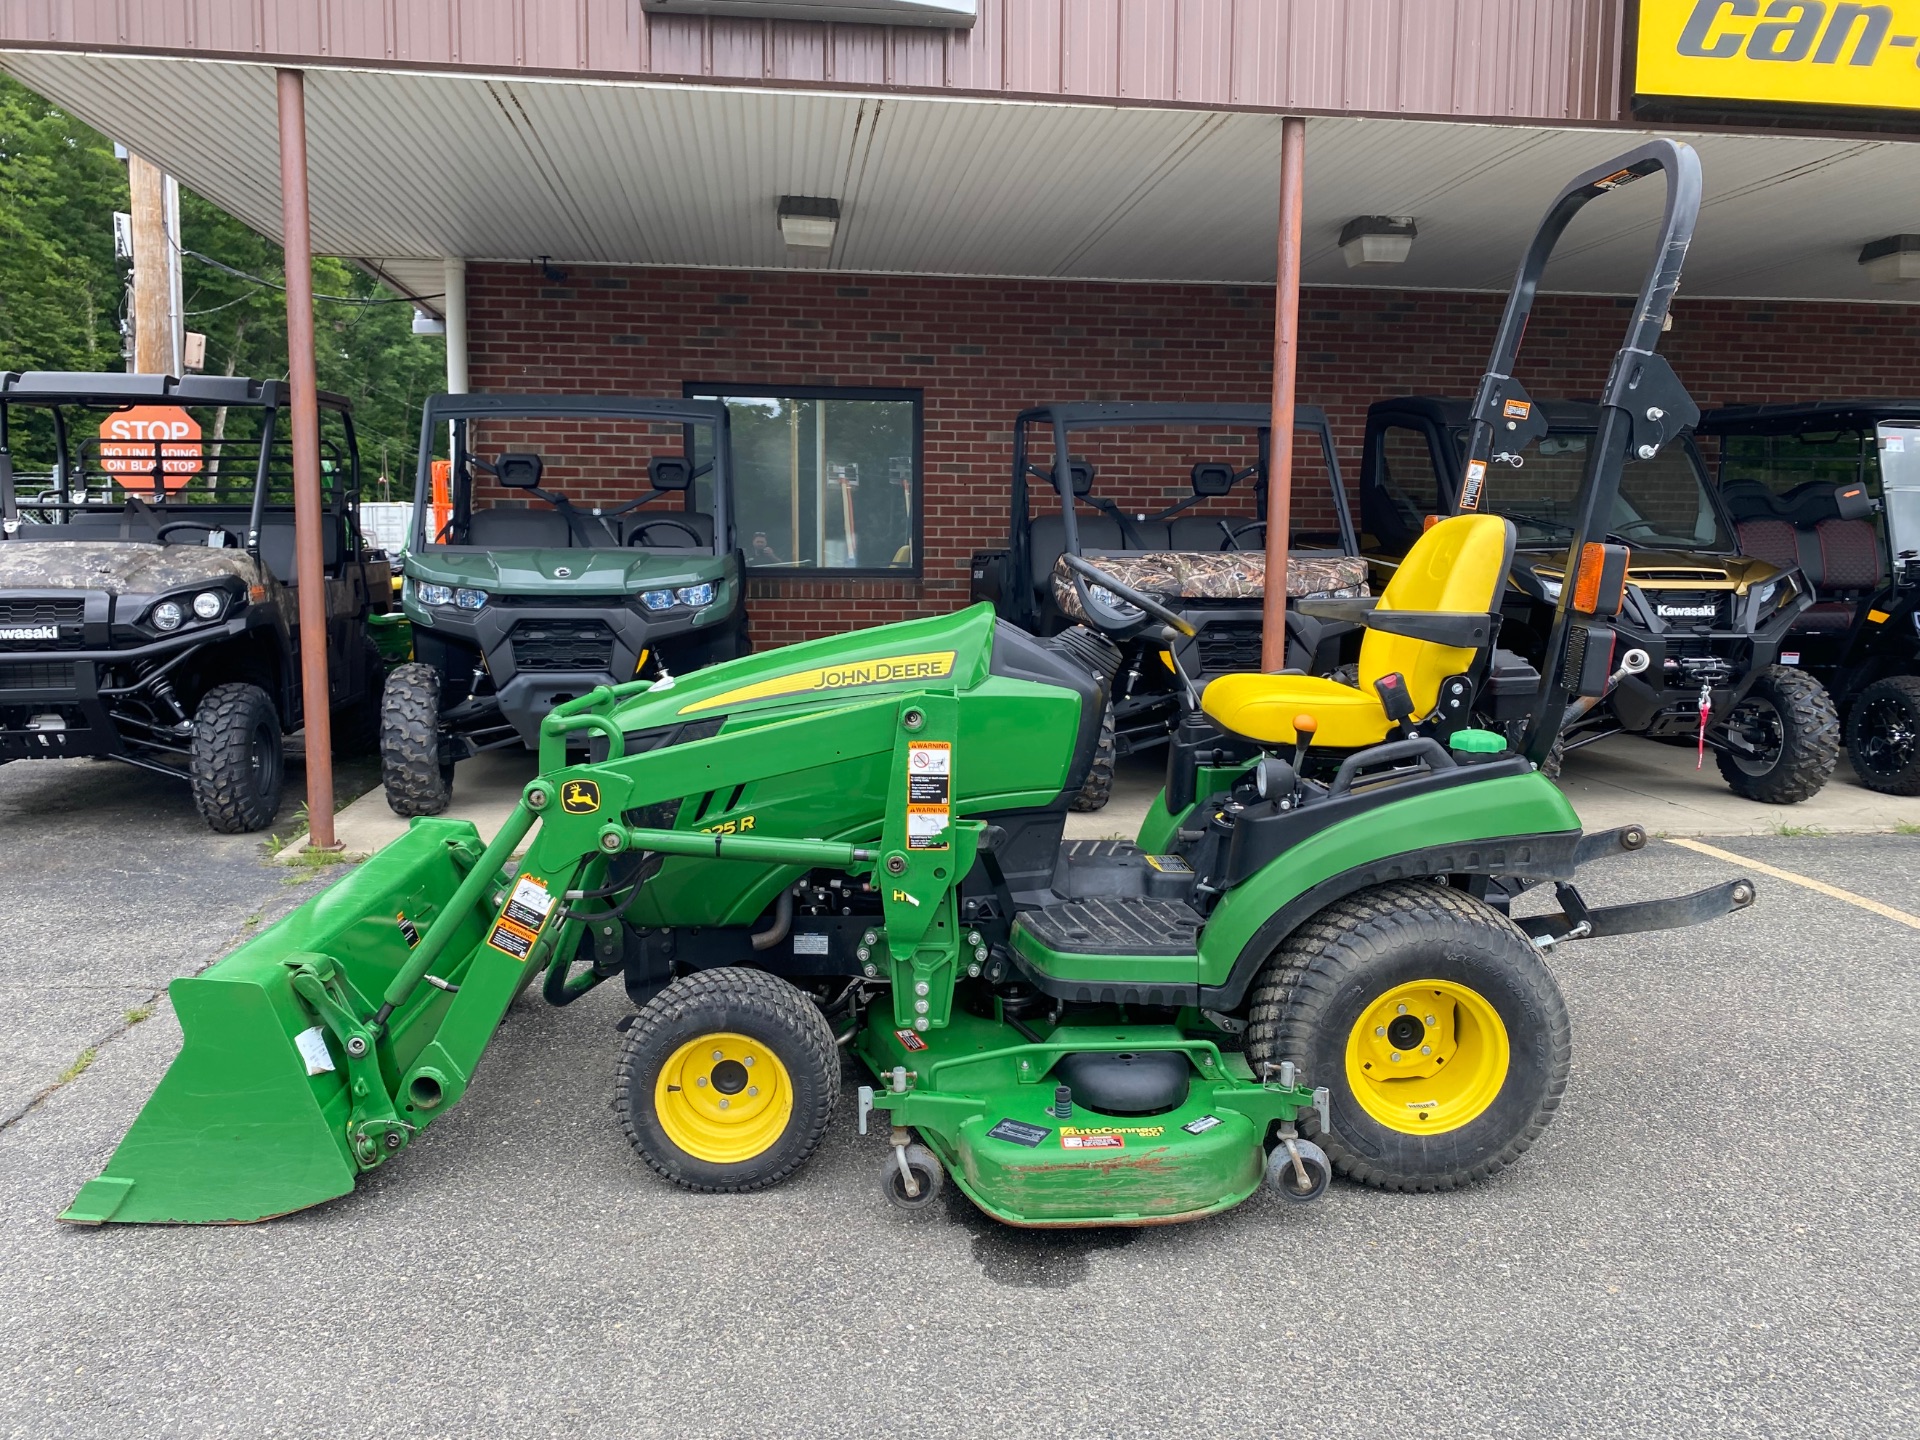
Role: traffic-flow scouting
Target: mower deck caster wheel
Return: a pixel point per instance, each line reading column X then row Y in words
column 929, row 1177
column 1284, row 1176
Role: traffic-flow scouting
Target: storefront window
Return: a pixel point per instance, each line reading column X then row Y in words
column 825, row 479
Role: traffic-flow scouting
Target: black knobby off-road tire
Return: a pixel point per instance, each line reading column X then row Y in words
column 762, row 1007
column 1883, row 735
column 355, row 728
column 1316, row 986
column 1098, row 787
column 1809, row 745
column 237, row 763
column 417, row 779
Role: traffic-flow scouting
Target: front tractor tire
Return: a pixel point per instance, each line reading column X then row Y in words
column 727, row 1081
column 1788, row 721
column 1883, row 735
column 413, row 767
column 1436, row 1027
column 236, row 764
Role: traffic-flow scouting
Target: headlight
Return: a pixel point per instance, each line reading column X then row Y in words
column 697, row 595
column 167, row 615
column 467, row 599
column 436, row 594
column 657, row 599
column 1765, row 594
column 208, row 604
column 1551, row 589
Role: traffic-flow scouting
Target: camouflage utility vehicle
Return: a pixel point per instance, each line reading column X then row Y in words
column 147, row 587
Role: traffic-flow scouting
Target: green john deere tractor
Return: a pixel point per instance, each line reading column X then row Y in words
column 1306, row 965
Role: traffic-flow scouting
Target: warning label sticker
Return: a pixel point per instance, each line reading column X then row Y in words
column 909, row 1040
column 1471, row 486
column 929, row 793
column 1202, row 1125
column 528, row 904
column 1169, row 864
column 510, row 939
column 1516, row 409
column 1093, row 1142
column 1020, row 1132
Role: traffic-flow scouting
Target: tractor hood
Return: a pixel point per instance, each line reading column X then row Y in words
column 118, row 567
column 563, row 572
column 953, row 649
column 1673, row 570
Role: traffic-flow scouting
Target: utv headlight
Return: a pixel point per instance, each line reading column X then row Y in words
column 657, row 599
column 696, row 595
column 436, row 594
column 167, row 615
column 1551, row 589
column 208, row 604
column 468, row 599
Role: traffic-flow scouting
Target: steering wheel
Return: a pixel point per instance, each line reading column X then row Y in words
column 1111, row 617
column 645, row 525
column 1650, row 526
column 172, row 525
column 1234, row 532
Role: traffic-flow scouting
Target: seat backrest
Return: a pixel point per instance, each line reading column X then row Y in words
column 1457, row 566
column 277, row 545
column 517, row 528
column 1769, row 540
column 1851, row 556
column 1203, row 532
column 1048, row 539
column 662, row 536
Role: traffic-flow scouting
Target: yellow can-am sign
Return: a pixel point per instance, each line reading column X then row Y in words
column 1781, row 52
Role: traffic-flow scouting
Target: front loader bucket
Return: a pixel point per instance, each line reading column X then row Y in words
column 250, row 1121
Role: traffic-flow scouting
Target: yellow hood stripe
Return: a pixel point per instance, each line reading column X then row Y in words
column 853, row 674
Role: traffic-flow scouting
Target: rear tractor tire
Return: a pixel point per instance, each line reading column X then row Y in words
column 1436, row 1027
column 413, row 767
column 1883, row 735
column 1789, row 718
column 1098, row 787
column 237, row 763
column 727, row 1081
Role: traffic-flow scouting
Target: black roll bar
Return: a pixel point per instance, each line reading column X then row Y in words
column 1643, row 406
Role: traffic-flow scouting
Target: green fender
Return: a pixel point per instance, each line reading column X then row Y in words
column 1508, row 808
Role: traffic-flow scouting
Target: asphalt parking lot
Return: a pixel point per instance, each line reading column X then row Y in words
column 1718, row 1234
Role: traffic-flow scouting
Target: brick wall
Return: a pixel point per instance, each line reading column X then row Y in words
column 981, row 350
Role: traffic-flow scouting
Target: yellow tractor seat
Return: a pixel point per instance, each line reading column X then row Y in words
column 1436, row 614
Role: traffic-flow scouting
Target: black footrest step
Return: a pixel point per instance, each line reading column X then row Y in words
column 1115, row 927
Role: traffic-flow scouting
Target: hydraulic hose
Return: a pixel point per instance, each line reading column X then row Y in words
column 782, row 923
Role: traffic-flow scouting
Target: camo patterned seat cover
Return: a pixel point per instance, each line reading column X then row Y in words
column 1216, row 575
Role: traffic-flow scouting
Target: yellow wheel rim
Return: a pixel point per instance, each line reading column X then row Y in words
column 723, row 1098
column 1427, row 1057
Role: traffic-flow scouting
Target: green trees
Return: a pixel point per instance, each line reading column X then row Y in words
column 62, row 292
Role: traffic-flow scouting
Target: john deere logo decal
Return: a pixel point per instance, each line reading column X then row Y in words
column 580, row 797
column 887, row 670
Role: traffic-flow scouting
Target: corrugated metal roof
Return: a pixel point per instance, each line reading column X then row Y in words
column 1510, row 59
column 409, row 167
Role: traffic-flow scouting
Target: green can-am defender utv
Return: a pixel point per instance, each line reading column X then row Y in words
column 148, row 607
column 1698, row 656
column 855, row 844
column 1803, row 483
column 552, row 553
column 1202, row 548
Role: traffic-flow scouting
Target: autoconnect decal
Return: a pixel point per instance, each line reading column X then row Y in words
column 854, row 675
column 1788, row 52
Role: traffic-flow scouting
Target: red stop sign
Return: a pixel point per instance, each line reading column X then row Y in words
column 134, row 441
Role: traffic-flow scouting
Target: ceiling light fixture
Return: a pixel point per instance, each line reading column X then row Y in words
column 1891, row 259
column 1377, row 240
column 808, row 222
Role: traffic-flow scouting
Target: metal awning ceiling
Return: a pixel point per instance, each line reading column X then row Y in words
column 409, row 167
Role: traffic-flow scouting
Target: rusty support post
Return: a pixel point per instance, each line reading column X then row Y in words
column 1286, row 354
column 297, row 245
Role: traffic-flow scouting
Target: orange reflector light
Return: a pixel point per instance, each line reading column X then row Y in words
column 1429, row 523
column 1600, row 584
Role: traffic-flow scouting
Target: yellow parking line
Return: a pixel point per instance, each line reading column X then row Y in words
column 1792, row 879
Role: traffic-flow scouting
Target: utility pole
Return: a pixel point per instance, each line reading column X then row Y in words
column 155, row 199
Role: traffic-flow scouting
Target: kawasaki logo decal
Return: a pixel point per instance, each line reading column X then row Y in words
column 29, row 632
column 1684, row 612
column 889, row 670
column 1787, row 52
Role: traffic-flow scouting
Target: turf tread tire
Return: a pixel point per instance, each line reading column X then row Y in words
column 748, row 1002
column 1098, row 786
column 417, row 780
column 1810, row 745
column 1296, row 1002
column 1906, row 780
column 226, row 790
